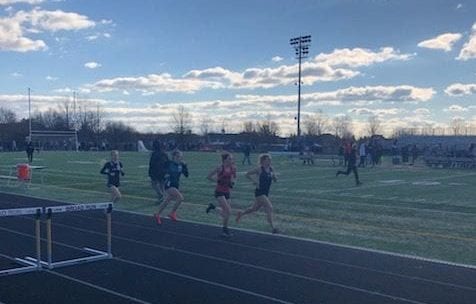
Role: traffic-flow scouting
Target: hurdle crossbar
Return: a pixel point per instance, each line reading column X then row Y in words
column 95, row 254
column 28, row 265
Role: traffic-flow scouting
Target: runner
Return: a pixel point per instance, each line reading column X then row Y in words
column 224, row 176
column 157, row 167
column 174, row 169
column 352, row 165
column 113, row 170
column 261, row 177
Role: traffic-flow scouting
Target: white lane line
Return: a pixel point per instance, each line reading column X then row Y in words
column 271, row 269
column 118, row 294
column 86, row 283
column 260, row 249
column 146, row 266
column 203, row 281
column 374, row 293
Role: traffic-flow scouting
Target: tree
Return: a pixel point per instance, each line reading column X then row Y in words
column 182, row 121
column 342, row 126
column 267, row 128
column 7, row 116
column 248, row 127
column 457, row 125
column 374, row 125
column 316, row 124
column 205, row 126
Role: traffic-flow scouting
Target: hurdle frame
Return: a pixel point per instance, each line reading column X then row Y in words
column 96, row 255
column 28, row 264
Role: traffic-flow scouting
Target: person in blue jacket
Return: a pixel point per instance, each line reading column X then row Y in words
column 173, row 170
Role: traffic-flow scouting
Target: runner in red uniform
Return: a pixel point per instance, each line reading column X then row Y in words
column 224, row 176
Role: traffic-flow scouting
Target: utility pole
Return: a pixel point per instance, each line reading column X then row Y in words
column 301, row 47
column 29, row 113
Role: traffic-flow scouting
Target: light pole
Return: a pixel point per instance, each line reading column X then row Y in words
column 301, row 47
column 29, row 114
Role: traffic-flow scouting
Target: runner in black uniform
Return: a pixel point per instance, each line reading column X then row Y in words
column 265, row 176
column 157, row 163
column 352, row 166
column 174, row 169
column 113, row 170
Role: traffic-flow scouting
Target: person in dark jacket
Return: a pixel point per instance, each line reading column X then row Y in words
column 157, row 169
column 29, row 151
column 352, row 165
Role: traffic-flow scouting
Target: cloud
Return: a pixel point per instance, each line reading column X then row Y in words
column 9, row 2
column 456, row 109
column 358, row 57
column 14, row 28
column 443, row 42
column 460, row 89
column 422, row 111
column 376, row 112
column 469, row 48
column 459, row 6
column 277, row 59
column 155, row 116
column 16, row 75
column 92, row 65
column 339, row 65
column 51, row 78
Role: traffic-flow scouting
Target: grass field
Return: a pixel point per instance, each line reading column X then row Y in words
column 412, row 210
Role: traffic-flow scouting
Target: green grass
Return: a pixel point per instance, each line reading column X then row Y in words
column 403, row 216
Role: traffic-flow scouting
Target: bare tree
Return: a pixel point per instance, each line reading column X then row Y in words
column 7, row 116
column 316, row 124
column 457, row 125
column 342, row 126
column 267, row 127
column 182, row 121
column 205, row 126
column 374, row 125
column 248, row 127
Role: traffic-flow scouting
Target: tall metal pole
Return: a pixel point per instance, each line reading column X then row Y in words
column 301, row 47
column 29, row 113
column 299, row 97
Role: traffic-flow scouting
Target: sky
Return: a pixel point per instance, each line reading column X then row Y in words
column 409, row 63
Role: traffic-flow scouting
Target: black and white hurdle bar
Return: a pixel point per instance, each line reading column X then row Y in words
column 96, row 254
column 28, row 263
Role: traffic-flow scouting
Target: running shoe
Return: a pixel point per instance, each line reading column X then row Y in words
column 158, row 220
column 210, row 207
column 238, row 216
column 173, row 216
column 226, row 232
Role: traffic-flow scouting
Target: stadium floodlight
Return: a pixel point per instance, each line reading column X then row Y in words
column 301, row 48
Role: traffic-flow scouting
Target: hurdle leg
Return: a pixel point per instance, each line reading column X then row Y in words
column 49, row 240
column 38, row 240
column 109, row 231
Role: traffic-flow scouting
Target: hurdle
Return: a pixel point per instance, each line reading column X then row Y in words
column 95, row 254
column 28, row 264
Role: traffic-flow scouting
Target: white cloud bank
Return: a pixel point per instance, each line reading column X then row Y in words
column 10, row 2
column 339, row 65
column 13, row 29
column 469, row 48
column 443, row 42
column 92, row 65
column 460, row 89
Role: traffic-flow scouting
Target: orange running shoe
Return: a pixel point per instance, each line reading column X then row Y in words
column 157, row 219
column 173, row 216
